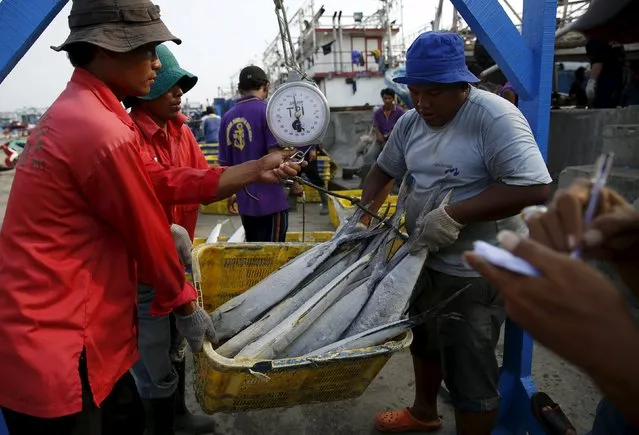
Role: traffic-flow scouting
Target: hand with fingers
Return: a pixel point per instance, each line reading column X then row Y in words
column 572, row 309
column 436, row 230
column 183, row 244
column 612, row 236
column 231, row 205
column 196, row 327
column 276, row 167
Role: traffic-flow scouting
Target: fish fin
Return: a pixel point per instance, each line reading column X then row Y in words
column 447, row 198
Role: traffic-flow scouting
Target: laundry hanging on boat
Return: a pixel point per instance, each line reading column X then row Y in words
column 328, row 48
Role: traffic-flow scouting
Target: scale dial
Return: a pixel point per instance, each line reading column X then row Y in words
column 298, row 114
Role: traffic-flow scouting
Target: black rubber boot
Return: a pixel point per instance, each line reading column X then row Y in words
column 159, row 416
column 185, row 422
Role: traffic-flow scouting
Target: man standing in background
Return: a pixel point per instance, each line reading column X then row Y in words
column 606, row 82
column 244, row 135
column 384, row 120
column 211, row 125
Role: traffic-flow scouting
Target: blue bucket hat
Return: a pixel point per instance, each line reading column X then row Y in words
column 436, row 57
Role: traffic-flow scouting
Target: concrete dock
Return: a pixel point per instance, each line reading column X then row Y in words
column 392, row 389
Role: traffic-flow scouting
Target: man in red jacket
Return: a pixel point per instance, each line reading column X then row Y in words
column 69, row 255
column 168, row 141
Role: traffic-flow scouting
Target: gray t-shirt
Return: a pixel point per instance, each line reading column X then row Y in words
column 488, row 141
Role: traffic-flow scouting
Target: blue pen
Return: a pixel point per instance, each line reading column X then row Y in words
column 603, row 167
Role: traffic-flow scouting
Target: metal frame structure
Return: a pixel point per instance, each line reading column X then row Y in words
column 21, row 27
column 527, row 60
column 308, row 18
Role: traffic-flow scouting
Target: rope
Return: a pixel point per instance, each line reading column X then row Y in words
column 356, row 202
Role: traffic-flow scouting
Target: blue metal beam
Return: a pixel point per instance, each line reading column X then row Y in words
column 539, row 25
column 22, row 23
column 527, row 60
column 496, row 31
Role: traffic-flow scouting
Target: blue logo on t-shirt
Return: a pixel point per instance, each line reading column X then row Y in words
column 451, row 170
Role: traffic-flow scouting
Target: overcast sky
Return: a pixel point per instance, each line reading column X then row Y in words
column 219, row 38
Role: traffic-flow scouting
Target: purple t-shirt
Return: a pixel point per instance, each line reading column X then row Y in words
column 244, row 136
column 385, row 124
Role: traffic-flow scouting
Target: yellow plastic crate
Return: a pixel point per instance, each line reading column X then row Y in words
column 332, row 213
column 229, row 385
column 312, row 195
column 291, row 237
column 218, row 208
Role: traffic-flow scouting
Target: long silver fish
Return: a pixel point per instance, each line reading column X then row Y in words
column 383, row 333
column 275, row 341
column 238, row 313
column 389, row 302
column 282, row 310
column 329, row 327
column 339, row 316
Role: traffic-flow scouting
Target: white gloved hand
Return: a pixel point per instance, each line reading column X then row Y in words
column 437, row 230
column 195, row 328
column 183, row 244
column 591, row 87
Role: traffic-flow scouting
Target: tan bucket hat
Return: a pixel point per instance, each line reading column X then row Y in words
column 116, row 25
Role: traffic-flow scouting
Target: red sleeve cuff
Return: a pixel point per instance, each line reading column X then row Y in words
column 208, row 187
column 188, row 294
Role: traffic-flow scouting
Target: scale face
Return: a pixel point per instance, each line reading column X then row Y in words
column 298, row 114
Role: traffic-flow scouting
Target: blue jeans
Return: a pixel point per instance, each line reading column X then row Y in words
column 159, row 346
column 609, row 421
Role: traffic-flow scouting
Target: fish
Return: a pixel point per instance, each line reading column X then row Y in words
column 340, row 211
column 383, row 333
column 286, row 307
column 275, row 341
column 239, row 312
column 392, row 296
column 339, row 316
column 215, row 232
column 239, row 236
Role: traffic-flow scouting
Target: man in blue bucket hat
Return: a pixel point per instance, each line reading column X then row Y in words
column 480, row 146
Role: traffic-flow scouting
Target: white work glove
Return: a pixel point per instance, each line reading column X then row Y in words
column 437, row 230
column 591, row 87
column 183, row 244
column 195, row 328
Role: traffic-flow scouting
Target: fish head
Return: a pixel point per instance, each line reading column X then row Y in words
column 421, row 202
column 405, row 191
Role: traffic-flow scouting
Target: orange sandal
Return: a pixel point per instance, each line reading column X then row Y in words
column 403, row 421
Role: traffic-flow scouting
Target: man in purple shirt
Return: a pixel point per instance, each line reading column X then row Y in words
column 384, row 120
column 244, row 136
column 385, row 117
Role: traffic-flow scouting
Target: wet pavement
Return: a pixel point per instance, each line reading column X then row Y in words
column 393, row 387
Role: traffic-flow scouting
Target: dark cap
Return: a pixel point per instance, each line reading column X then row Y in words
column 613, row 20
column 116, row 25
column 252, row 77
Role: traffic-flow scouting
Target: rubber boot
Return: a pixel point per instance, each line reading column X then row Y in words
column 159, row 416
column 185, row 422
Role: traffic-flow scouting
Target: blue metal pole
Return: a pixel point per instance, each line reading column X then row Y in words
column 527, row 60
column 22, row 23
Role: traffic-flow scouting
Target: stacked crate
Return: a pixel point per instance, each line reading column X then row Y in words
column 211, row 151
column 324, row 169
